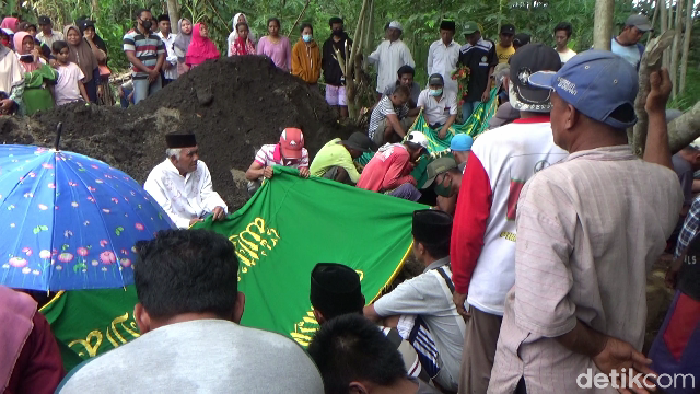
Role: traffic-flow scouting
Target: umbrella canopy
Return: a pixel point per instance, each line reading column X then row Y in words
column 70, row 222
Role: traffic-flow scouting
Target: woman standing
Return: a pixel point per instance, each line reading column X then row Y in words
column 276, row 47
column 237, row 19
column 37, row 74
column 242, row 45
column 306, row 56
column 99, row 49
column 182, row 42
column 11, row 81
column 81, row 54
column 201, row 47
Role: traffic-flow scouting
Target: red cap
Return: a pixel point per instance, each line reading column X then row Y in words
column 292, row 143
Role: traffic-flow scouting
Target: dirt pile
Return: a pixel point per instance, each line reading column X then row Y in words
column 233, row 105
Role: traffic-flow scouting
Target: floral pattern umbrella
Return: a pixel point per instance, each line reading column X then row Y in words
column 70, row 222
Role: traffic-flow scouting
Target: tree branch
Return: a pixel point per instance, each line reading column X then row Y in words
column 651, row 61
column 684, row 129
column 301, row 15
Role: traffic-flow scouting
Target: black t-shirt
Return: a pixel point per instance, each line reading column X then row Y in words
column 689, row 274
column 479, row 59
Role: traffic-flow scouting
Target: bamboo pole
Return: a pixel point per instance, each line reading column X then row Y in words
column 676, row 47
column 664, row 28
column 173, row 14
column 653, row 18
column 686, row 46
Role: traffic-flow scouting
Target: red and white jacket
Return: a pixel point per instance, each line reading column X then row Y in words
column 483, row 233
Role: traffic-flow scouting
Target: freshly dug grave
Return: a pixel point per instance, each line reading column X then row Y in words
column 233, row 105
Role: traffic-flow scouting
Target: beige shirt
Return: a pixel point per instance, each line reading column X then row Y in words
column 588, row 230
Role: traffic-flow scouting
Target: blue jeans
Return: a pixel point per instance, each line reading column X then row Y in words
column 468, row 109
column 143, row 89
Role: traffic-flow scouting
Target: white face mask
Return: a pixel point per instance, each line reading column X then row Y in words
column 435, row 92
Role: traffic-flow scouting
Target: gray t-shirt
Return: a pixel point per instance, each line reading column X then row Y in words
column 415, row 92
column 429, row 296
column 685, row 176
column 201, row 356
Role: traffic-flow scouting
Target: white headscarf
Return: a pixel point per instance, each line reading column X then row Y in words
column 232, row 37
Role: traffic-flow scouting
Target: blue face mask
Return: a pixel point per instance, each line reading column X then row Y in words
column 435, row 92
column 307, row 37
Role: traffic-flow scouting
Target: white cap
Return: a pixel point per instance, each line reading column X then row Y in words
column 417, row 137
column 395, row 25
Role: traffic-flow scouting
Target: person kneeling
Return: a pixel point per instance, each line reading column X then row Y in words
column 439, row 107
column 289, row 152
column 389, row 120
column 335, row 159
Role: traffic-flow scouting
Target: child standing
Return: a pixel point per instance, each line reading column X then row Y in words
column 69, row 89
column 242, row 45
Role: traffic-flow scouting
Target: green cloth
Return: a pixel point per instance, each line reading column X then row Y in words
column 36, row 96
column 289, row 226
column 475, row 125
column 334, row 154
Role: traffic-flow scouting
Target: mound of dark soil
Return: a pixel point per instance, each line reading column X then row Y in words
column 233, row 105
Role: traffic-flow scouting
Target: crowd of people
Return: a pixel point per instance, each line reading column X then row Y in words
column 535, row 255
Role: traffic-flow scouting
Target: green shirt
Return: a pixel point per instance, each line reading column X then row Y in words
column 334, row 154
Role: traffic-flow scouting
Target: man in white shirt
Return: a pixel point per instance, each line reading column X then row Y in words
column 443, row 55
column 626, row 44
column 389, row 56
column 439, row 107
column 181, row 184
column 189, row 314
column 562, row 33
column 47, row 36
column 169, row 72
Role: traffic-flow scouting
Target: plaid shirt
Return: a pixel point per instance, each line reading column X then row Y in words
column 690, row 227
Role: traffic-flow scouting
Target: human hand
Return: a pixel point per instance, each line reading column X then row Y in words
column 304, row 172
column 618, row 354
column 672, row 273
column 218, row 213
column 459, row 299
column 442, row 133
column 268, row 172
column 100, row 91
column 88, row 35
column 6, row 104
column 153, row 75
column 35, row 53
column 195, row 220
column 121, row 92
column 486, row 96
column 661, row 87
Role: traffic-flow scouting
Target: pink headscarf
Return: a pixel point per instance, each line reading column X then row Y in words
column 16, row 312
column 200, row 49
column 19, row 49
column 10, row 23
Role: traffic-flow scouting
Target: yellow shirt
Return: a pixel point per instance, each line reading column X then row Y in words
column 504, row 53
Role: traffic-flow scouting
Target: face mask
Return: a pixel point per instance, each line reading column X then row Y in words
column 147, row 25
column 436, row 92
column 5, row 42
column 307, row 37
column 442, row 190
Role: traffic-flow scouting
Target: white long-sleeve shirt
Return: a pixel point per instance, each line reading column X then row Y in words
column 170, row 55
column 389, row 57
column 183, row 198
column 443, row 60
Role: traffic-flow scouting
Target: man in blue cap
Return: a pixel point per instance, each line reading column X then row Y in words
column 588, row 231
column 460, row 146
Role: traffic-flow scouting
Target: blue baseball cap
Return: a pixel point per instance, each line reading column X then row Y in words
column 461, row 143
column 596, row 83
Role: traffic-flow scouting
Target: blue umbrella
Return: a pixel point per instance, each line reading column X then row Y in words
column 70, row 222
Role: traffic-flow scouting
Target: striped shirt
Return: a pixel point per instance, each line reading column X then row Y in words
column 381, row 110
column 588, row 231
column 271, row 155
column 147, row 49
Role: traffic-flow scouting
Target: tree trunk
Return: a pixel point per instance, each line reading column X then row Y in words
column 684, row 129
column 368, row 37
column 95, row 10
column 676, row 46
column 603, row 23
column 350, row 63
column 174, row 15
column 653, row 18
column 651, row 60
column 664, row 27
column 686, row 46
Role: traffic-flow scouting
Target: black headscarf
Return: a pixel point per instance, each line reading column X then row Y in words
column 99, row 42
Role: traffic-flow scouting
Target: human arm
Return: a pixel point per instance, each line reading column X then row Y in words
column 486, row 95
column 656, row 148
column 394, row 176
column 348, row 165
column 452, row 103
column 230, row 43
column 430, row 60
column 690, row 228
column 289, row 54
column 375, row 56
column 262, row 43
column 154, row 187
column 469, row 226
column 447, row 204
column 83, row 92
column 407, row 58
column 131, row 55
column 296, row 62
column 450, row 121
column 210, row 199
column 256, row 170
column 409, row 298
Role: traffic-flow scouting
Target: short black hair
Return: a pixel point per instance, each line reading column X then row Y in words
column 386, row 26
column 163, row 18
column 186, row 271
column 403, row 90
column 239, row 24
column 437, row 251
column 141, row 11
column 564, row 26
column 58, row 45
column 351, row 348
column 274, row 20
column 406, row 70
column 304, row 26
column 334, row 21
